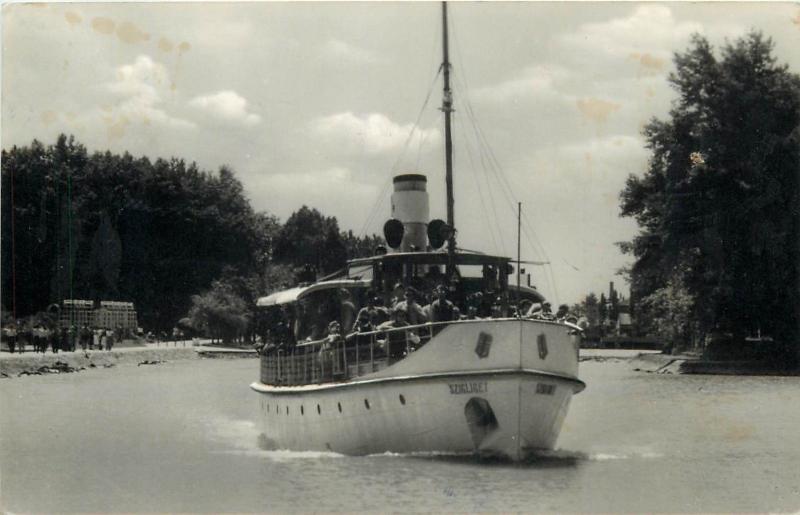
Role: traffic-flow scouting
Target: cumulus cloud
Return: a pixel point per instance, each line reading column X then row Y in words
column 535, row 81
column 373, row 133
column 227, row 106
column 341, row 51
column 141, row 90
column 650, row 29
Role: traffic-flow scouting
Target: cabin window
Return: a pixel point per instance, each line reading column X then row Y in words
column 402, row 400
column 366, row 403
column 287, row 411
column 302, row 411
column 319, row 410
column 340, row 406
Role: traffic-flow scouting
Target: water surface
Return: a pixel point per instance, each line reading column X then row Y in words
column 181, row 437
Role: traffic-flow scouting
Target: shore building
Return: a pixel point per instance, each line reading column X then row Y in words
column 112, row 314
column 76, row 312
column 108, row 314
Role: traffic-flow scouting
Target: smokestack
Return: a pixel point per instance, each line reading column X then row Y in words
column 410, row 206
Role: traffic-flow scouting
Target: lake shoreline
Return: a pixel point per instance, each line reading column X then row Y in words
column 20, row 365
column 692, row 365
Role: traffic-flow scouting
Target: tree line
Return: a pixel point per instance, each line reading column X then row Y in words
column 718, row 207
column 163, row 234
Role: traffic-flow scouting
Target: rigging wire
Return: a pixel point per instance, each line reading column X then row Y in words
column 496, row 169
column 485, row 176
column 379, row 203
column 472, row 168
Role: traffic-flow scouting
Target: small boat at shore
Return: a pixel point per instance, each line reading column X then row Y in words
column 469, row 373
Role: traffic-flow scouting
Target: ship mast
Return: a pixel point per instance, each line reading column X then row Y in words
column 447, row 108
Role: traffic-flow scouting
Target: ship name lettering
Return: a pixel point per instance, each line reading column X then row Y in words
column 461, row 388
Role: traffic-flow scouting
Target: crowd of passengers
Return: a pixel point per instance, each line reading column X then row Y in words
column 338, row 319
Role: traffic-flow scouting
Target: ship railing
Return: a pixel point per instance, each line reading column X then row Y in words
column 344, row 358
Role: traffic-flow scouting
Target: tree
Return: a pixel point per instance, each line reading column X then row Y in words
column 718, row 205
column 591, row 309
column 670, row 309
column 602, row 309
column 309, row 238
column 220, row 312
column 115, row 227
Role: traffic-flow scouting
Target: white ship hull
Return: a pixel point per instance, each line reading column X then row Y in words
column 445, row 397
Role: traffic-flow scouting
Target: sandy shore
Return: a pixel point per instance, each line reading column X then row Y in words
column 16, row 365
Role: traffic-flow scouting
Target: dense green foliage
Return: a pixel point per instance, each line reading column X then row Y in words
column 719, row 205
column 111, row 227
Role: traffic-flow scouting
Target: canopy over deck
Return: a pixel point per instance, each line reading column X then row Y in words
column 462, row 257
column 297, row 293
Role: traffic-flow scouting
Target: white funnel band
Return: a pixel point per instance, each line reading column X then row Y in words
column 410, row 206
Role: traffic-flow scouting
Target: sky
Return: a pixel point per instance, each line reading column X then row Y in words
column 322, row 103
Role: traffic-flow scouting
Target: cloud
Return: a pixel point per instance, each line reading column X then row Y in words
column 341, row 51
column 141, row 89
column 539, row 81
column 226, row 106
column 650, row 29
column 373, row 133
column 334, row 191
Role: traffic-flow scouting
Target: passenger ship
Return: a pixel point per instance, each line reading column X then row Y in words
column 493, row 386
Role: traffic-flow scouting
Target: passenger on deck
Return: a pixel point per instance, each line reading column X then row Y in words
column 334, row 334
column 563, row 315
column 396, row 342
column 524, row 307
column 363, row 323
column 546, row 313
column 347, row 310
column 368, row 312
column 398, row 295
column 441, row 309
column 383, row 314
column 534, row 311
column 412, row 308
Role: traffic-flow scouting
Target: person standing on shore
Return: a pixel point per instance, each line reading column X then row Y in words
column 103, row 338
column 96, row 340
column 54, row 338
column 82, row 336
column 109, row 339
column 11, row 337
column 72, row 339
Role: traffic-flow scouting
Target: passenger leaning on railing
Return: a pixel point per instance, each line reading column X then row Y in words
column 397, row 342
column 363, row 323
column 411, row 306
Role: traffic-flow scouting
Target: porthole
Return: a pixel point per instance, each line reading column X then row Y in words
column 287, row 410
column 366, row 403
column 319, row 410
column 402, row 400
column 302, row 411
column 340, row 406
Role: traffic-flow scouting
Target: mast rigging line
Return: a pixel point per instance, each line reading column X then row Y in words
column 472, row 168
column 496, row 168
column 485, row 175
column 388, row 182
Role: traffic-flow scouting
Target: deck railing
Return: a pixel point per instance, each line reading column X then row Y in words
column 343, row 358
column 357, row 354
